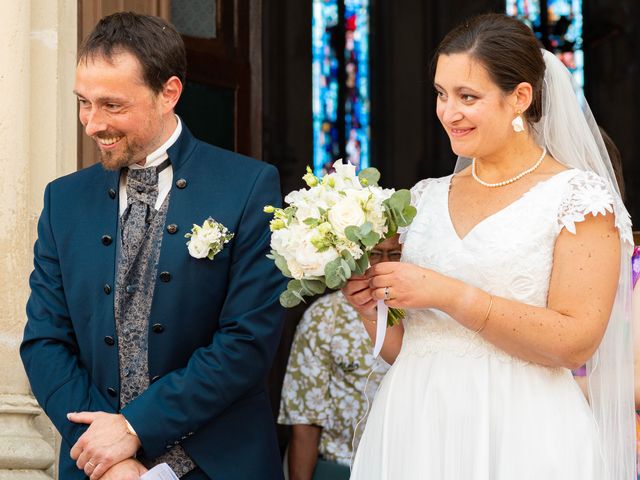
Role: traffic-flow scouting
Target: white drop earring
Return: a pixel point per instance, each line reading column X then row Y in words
column 517, row 123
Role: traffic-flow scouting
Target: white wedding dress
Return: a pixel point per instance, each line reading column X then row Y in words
column 455, row 407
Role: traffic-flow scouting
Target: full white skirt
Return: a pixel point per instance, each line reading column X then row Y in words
column 446, row 416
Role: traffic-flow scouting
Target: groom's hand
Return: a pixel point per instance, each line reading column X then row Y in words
column 106, row 442
column 129, row 469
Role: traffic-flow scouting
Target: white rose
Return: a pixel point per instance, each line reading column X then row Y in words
column 198, row 248
column 307, row 257
column 345, row 213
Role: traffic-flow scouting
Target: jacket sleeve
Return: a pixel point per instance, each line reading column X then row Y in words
column 240, row 355
column 49, row 349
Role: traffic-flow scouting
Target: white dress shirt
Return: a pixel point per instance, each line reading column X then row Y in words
column 165, row 178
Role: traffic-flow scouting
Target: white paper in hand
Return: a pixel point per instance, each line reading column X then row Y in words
column 160, row 472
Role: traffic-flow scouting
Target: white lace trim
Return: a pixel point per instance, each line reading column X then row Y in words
column 416, row 195
column 589, row 193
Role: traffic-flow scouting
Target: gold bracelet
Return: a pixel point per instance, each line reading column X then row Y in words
column 486, row 317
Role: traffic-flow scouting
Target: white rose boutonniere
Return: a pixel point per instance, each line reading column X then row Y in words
column 208, row 240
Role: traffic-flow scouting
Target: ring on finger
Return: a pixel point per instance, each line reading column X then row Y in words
column 92, row 464
column 386, row 293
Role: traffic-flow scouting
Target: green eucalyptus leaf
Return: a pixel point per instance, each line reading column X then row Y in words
column 346, row 255
column 288, row 299
column 344, row 272
column 312, row 222
column 370, row 175
column 281, row 263
column 331, row 275
column 403, row 196
column 314, row 287
column 361, row 264
column 365, row 229
column 371, row 239
column 352, row 233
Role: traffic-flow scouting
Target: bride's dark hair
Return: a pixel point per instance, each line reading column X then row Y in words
column 506, row 47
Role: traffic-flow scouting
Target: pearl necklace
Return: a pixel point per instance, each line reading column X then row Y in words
column 510, row 180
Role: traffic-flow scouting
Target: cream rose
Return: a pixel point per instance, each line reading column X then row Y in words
column 346, row 213
column 198, row 247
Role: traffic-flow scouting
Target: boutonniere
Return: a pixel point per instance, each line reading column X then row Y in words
column 207, row 240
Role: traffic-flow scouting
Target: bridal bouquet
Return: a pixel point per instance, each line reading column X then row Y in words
column 326, row 232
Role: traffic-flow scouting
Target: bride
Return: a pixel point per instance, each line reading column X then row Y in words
column 515, row 270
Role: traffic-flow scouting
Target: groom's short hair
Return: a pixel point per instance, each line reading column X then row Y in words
column 155, row 43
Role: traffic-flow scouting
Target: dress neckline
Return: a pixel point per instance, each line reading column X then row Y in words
column 497, row 212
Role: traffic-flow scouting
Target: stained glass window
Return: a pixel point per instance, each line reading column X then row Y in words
column 340, row 88
column 558, row 26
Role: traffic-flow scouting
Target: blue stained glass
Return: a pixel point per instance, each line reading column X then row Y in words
column 527, row 11
column 357, row 82
column 563, row 32
column 327, row 91
column 565, row 35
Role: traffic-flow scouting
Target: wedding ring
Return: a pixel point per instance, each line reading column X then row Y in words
column 386, row 293
column 90, row 463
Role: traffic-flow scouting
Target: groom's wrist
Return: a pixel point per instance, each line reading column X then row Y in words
column 130, row 429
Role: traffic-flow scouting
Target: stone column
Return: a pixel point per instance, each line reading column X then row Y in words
column 37, row 143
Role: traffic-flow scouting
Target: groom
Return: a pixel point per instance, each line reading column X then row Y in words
column 138, row 351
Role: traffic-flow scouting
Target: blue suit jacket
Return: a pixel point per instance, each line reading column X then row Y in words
column 213, row 329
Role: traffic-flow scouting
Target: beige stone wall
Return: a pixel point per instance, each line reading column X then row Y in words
column 37, row 144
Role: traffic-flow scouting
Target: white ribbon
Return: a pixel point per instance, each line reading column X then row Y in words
column 381, row 329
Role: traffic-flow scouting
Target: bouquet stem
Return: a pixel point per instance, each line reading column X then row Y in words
column 395, row 317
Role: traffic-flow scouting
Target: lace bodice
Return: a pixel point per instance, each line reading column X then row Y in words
column 509, row 254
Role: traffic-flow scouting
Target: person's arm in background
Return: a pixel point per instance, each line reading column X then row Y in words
column 303, row 451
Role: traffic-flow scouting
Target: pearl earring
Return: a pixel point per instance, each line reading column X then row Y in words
column 517, row 123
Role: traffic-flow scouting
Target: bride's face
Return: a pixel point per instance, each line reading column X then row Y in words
column 473, row 110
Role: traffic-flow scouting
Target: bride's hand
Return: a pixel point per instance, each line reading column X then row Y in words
column 358, row 294
column 407, row 285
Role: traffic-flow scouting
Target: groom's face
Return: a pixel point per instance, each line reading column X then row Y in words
column 118, row 110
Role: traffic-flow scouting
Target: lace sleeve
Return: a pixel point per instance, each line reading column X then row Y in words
column 588, row 193
column 416, row 194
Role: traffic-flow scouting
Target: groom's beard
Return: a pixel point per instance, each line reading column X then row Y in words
column 123, row 156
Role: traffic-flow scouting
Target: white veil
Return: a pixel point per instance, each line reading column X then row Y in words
column 569, row 131
column 572, row 137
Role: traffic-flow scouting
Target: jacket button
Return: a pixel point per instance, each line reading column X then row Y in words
column 107, row 288
column 112, row 193
column 106, row 240
column 109, row 340
column 157, row 328
column 172, row 228
column 155, row 378
column 112, row 391
column 181, row 183
column 130, row 288
column 165, row 276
